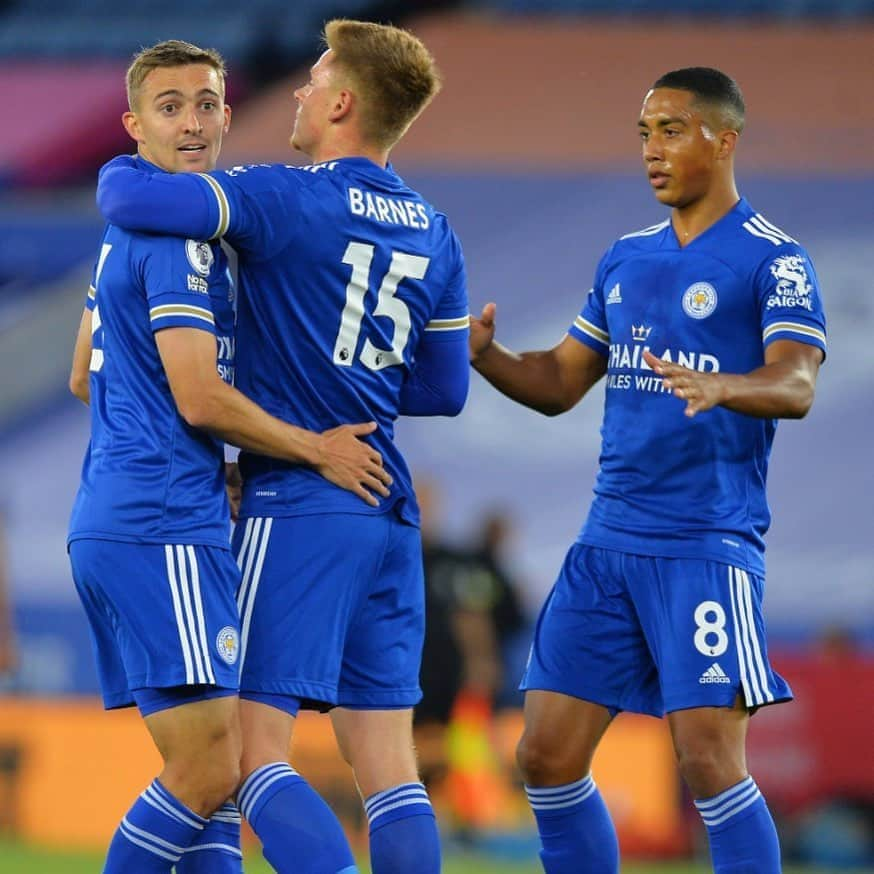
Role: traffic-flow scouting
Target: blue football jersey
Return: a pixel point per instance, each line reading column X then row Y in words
column 669, row 485
column 343, row 270
column 148, row 476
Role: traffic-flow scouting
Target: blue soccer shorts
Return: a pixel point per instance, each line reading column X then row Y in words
column 653, row 635
column 161, row 617
column 331, row 609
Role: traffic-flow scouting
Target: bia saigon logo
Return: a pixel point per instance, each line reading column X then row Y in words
column 699, row 300
column 793, row 288
column 227, row 643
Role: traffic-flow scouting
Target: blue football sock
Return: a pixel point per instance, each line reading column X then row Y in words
column 153, row 834
column 403, row 831
column 298, row 831
column 743, row 838
column 216, row 850
column 576, row 833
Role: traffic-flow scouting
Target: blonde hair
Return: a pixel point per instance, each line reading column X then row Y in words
column 395, row 75
column 170, row 53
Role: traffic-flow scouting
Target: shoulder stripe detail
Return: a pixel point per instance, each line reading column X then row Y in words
column 591, row 330
column 92, row 292
column 223, row 205
column 763, row 223
column 795, row 328
column 647, row 232
column 169, row 310
column 758, row 227
column 448, row 324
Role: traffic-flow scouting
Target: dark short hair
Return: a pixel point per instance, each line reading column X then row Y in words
column 711, row 88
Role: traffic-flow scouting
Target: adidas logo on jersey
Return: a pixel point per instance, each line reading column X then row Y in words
column 615, row 295
column 714, row 674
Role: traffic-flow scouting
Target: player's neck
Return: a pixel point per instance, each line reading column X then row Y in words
column 348, row 147
column 694, row 219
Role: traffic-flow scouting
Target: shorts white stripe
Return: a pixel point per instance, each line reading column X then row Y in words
column 752, row 670
column 249, row 587
column 177, row 609
column 758, row 661
column 201, row 618
column 182, row 570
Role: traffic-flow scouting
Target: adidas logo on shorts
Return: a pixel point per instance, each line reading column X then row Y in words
column 714, row 674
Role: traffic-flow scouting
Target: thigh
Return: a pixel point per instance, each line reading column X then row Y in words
column 302, row 581
column 163, row 615
column 383, row 650
column 588, row 642
column 703, row 621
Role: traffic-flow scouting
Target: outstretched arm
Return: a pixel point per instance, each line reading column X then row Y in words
column 782, row 388
column 204, row 400
column 439, row 380
column 180, row 204
column 551, row 381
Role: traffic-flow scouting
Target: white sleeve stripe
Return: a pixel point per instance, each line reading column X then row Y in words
column 92, row 292
column 223, row 206
column 171, row 310
column 794, row 328
column 593, row 331
column 448, row 324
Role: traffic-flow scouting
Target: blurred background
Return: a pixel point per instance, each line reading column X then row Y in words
column 532, row 151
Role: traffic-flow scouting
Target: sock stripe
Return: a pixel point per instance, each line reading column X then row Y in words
column 157, row 796
column 228, row 848
column 259, row 780
column 554, row 797
column 150, row 842
column 227, row 813
column 714, row 811
column 409, row 793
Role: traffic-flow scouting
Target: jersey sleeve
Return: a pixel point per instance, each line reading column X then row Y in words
column 135, row 198
column 790, row 302
column 175, row 274
column 590, row 326
column 439, row 378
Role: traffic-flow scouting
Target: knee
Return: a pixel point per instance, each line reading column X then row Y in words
column 544, row 762
column 709, row 769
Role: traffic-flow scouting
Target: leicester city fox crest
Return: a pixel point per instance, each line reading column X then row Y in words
column 227, row 643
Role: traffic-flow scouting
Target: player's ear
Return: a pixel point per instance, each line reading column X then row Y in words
column 132, row 126
column 727, row 144
column 342, row 105
column 227, row 123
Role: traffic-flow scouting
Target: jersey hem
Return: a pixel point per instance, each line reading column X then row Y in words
column 117, row 537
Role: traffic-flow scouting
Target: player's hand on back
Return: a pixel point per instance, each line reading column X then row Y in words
column 482, row 331
column 352, row 463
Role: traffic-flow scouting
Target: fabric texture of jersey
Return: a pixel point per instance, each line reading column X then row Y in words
column 669, row 485
column 328, row 625
column 653, row 635
column 160, row 616
column 148, row 476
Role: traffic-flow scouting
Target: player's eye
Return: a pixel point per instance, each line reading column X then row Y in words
column 207, row 106
column 168, row 108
